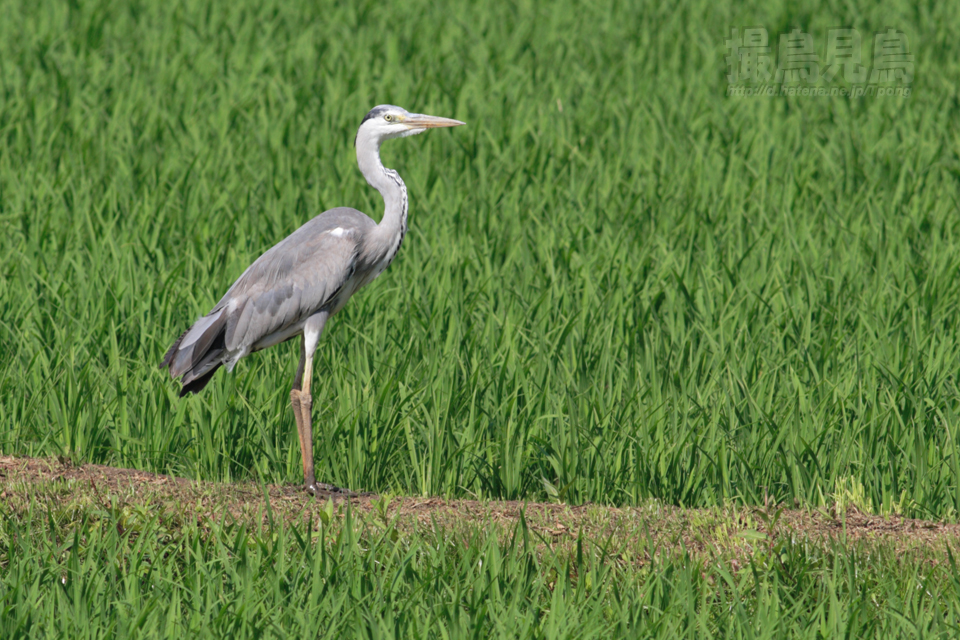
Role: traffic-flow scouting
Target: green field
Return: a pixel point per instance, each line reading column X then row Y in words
column 370, row 578
column 620, row 284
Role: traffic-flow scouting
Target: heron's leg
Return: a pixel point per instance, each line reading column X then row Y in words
column 311, row 336
column 305, row 427
column 298, row 379
column 295, row 404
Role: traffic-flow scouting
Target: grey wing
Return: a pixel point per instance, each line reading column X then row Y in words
column 290, row 282
column 287, row 284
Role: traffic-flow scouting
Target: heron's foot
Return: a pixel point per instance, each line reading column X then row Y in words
column 322, row 488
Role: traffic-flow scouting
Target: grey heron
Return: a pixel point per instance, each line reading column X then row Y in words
column 295, row 287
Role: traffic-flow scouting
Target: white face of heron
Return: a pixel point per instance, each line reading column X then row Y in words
column 395, row 122
column 387, row 121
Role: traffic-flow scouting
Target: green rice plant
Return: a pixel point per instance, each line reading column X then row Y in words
column 116, row 571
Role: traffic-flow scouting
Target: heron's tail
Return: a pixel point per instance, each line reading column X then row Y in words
column 198, row 353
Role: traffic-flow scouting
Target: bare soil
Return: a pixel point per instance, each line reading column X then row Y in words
column 633, row 532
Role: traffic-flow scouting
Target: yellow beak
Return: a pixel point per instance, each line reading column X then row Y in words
column 420, row 121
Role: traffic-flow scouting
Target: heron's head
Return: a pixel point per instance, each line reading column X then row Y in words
column 387, row 121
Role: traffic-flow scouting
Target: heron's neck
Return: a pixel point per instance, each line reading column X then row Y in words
column 393, row 225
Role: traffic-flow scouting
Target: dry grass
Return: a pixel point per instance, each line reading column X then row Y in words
column 633, row 534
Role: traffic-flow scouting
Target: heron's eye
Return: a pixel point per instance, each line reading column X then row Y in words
column 389, row 117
